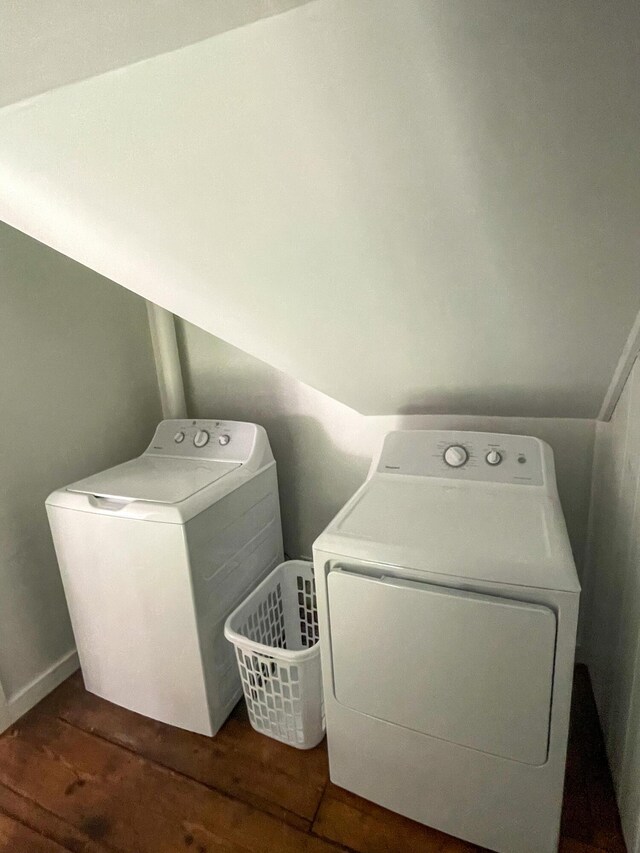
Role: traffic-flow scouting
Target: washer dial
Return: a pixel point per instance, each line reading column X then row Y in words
column 456, row 455
column 179, row 437
column 201, row 438
column 493, row 457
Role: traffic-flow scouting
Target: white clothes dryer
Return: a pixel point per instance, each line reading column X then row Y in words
column 448, row 605
column 154, row 555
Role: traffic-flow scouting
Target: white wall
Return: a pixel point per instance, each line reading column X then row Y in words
column 438, row 194
column 612, row 598
column 323, row 448
column 44, row 45
column 79, row 393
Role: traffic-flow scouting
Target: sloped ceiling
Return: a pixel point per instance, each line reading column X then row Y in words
column 46, row 45
column 414, row 206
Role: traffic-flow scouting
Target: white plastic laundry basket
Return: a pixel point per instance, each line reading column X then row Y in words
column 275, row 634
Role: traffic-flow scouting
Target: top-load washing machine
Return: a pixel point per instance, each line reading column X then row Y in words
column 448, row 604
column 154, row 555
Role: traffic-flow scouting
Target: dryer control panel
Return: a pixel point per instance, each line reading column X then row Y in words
column 214, row 441
column 484, row 456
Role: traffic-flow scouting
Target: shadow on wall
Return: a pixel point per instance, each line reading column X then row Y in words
column 511, row 401
column 316, row 473
column 26, row 565
column 315, row 476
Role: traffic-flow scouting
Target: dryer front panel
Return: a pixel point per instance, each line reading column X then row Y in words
column 473, row 669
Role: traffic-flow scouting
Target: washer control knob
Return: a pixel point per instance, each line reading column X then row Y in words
column 201, row 438
column 179, row 437
column 456, row 455
column 224, row 439
column 493, row 457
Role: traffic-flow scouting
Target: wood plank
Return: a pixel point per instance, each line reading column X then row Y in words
column 365, row 827
column 577, row 821
column 15, row 837
column 260, row 771
column 606, row 830
column 81, row 786
column 125, row 802
column 570, row 845
column 45, row 823
column 590, row 815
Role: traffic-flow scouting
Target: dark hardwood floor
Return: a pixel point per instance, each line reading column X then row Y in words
column 79, row 774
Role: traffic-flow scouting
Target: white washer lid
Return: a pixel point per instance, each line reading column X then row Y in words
column 154, row 478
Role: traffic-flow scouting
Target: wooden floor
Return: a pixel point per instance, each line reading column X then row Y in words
column 79, row 774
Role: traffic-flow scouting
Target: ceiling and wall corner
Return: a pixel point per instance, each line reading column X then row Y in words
column 46, row 45
column 441, row 200
column 627, row 359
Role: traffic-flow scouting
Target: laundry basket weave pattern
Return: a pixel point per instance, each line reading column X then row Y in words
column 275, row 634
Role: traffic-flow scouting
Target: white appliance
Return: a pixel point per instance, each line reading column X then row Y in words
column 448, row 604
column 156, row 553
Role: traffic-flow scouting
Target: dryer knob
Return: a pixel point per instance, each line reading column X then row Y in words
column 201, row 438
column 224, row 439
column 456, row 455
column 493, row 457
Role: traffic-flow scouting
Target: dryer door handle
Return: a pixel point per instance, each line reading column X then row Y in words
column 382, row 574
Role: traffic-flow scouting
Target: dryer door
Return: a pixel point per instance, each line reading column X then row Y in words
column 472, row 669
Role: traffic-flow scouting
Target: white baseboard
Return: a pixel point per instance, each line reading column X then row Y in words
column 13, row 707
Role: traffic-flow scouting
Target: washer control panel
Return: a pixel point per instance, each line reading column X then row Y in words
column 484, row 456
column 226, row 441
